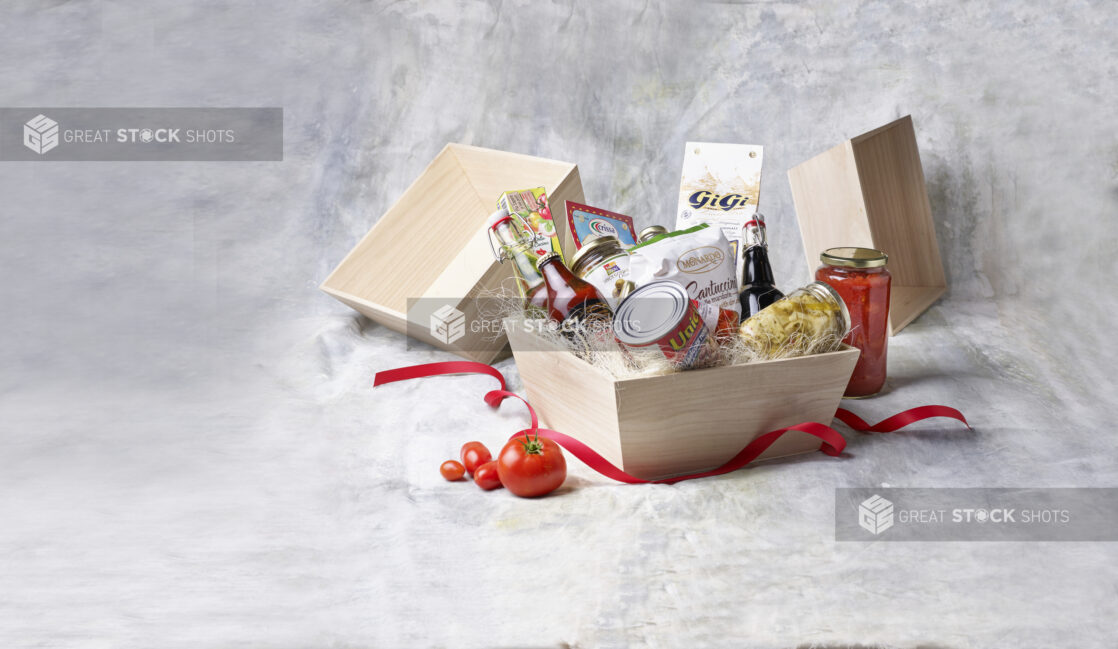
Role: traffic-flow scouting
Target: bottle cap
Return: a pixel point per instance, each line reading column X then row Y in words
column 755, row 231
column 854, row 257
column 546, row 258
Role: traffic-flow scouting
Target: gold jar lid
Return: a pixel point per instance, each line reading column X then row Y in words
column 598, row 244
column 651, row 231
column 854, row 257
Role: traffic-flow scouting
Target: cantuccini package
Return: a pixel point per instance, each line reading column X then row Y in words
column 699, row 259
column 720, row 186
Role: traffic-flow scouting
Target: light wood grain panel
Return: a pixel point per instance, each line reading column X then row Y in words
column 432, row 242
column 908, row 302
column 494, row 172
column 896, row 200
column 399, row 257
column 870, row 192
column 570, row 395
column 828, row 202
column 699, row 419
column 492, row 177
column 394, row 320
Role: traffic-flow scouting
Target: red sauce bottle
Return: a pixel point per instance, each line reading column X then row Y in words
column 568, row 296
column 860, row 277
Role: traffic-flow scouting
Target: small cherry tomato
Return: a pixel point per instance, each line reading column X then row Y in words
column 452, row 470
column 474, row 454
column 487, row 477
column 531, row 467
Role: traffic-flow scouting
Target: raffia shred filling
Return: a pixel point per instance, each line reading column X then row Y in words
column 795, row 326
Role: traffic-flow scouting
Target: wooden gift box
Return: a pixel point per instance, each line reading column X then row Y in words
column 662, row 426
column 433, row 243
column 869, row 192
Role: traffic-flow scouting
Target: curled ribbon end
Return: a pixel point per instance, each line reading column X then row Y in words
column 495, row 397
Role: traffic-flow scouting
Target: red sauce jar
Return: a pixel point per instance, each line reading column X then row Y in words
column 859, row 276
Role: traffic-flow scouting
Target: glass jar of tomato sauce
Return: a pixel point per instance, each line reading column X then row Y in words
column 860, row 277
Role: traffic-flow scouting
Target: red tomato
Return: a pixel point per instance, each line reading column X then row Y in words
column 452, row 470
column 487, row 476
column 474, row 454
column 531, row 467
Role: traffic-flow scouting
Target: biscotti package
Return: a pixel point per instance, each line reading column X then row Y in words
column 699, row 259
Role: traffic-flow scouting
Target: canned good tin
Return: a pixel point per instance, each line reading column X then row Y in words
column 604, row 263
column 662, row 314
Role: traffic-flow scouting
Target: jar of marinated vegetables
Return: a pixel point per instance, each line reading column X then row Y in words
column 603, row 262
column 860, row 277
column 810, row 320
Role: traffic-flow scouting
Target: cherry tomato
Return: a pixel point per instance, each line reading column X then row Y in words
column 487, row 477
column 531, row 467
column 474, row 454
column 452, row 470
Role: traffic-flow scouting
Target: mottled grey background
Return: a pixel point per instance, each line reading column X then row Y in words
column 190, row 451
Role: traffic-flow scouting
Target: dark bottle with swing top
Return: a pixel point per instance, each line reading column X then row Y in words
column 758, row 290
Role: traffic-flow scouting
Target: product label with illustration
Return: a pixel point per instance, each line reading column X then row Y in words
column 699, row 259
column 720, row 185
column 586, row 221
column 605, row 276
column 531, row 205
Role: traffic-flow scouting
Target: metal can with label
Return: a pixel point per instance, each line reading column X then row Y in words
column 603, row 262
column 661, row 313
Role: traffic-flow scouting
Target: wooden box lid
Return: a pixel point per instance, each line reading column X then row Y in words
column 869, row 192
column 431, row 247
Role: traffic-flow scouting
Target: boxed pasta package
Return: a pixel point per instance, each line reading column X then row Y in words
column 720, row 185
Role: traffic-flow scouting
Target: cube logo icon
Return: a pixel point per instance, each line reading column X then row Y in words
column 40, row 134
column 875, row 514
column 448, row 324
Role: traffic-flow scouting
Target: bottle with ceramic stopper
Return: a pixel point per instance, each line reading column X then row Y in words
column 514, row 241
column 758, row 290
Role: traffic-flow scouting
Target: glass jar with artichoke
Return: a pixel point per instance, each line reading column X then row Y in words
column 810, row 320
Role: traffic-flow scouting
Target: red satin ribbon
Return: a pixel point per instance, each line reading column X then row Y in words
column 832, row 442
